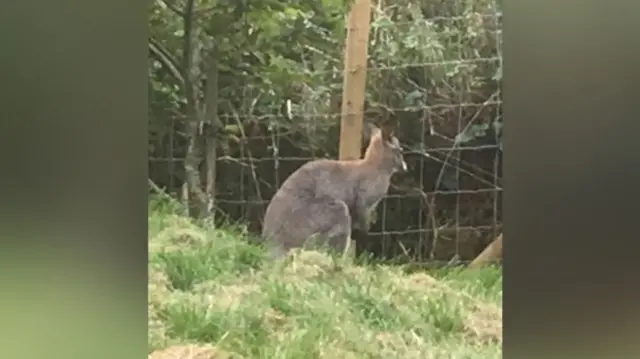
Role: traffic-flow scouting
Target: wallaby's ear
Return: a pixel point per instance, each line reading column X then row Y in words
column 369, row 130
column 387, row 130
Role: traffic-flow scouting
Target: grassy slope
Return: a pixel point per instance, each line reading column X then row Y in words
column 212, row 287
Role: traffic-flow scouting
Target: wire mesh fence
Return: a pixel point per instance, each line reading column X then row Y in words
column 438, row 78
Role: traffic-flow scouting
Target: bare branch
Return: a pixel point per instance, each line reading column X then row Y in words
column 166, row 59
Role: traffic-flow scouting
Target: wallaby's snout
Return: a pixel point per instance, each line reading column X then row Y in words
column 399, row 164
column 403, row 166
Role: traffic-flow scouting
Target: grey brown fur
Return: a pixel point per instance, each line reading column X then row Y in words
column 323, row 199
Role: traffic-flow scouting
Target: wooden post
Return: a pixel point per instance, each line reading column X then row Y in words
column 491, row 254
column 353, row 86
column 354, row 82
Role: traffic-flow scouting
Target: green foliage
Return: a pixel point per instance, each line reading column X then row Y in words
column 163, row 205
column 268, row 51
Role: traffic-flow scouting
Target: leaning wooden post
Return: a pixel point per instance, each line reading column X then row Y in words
column 492, row 253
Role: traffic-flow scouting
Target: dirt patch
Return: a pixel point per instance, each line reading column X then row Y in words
column 177, row 234
column 158, row 287
column 484, row 322
column 333, row 352
column 274, row 320
column 302, row 264
column 419, row 281
column 226, row 296
column 192, row 351
column 157, row 334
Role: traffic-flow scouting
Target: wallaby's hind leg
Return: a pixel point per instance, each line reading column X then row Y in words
column 333, row 222
column 318, row 222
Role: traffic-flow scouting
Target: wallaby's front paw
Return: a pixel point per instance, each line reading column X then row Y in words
column 363, row 226
column 360, row 225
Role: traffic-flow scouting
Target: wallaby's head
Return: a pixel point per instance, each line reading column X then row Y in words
column 384, row 149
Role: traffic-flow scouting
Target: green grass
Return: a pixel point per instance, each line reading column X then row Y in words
column 212, row 290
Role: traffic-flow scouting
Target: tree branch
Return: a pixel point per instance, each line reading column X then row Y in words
column 164, row 57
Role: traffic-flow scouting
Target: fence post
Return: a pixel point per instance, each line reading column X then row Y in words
column 354, row 79
column 353, row 86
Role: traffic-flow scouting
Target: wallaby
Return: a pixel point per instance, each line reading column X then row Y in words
column 325, row 198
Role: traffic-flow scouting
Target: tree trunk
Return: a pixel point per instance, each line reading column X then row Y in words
column 192, row 174
column 191, row 74
column 211, row 118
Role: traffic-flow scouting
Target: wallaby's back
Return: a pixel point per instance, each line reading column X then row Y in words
column 323, row 197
